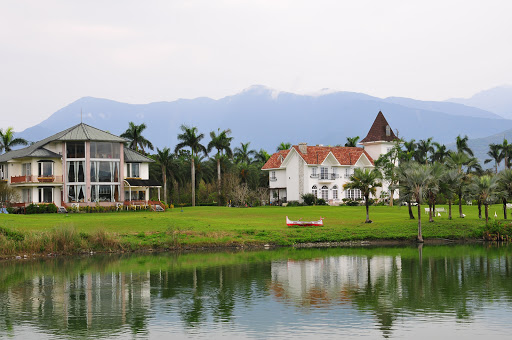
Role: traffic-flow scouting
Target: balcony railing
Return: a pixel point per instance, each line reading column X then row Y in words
column 314, row 176
column 273, row 179
column 348, row 175
column 36, row 179
column 328, row 177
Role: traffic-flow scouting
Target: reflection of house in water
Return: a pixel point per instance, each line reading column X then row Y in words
column 92, row 304
column 331, row 280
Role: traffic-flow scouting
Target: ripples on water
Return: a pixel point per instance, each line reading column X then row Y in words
column 458, row 291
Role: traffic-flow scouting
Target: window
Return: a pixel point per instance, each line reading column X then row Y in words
column 324, row 172
column 105, row 193
column 273, row 176
column 3, row 171
column 335, row 192
column 46, row 195
column 104, row 150
column 102, row 171
column 347, row 173
column 76, row 193
column 325, row 193
column 314, row 191
column 26, row 195
column 75, row 150
column 45, row 169
column 314, row 172
column 75, row 171
column 133, row 170
column 26, row 169
column 353, row 194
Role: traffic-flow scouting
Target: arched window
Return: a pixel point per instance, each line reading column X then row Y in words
column 325, row 193
column 335, row 192
column 314, row 191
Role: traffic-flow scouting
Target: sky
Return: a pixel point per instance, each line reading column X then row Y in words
column 55, row 52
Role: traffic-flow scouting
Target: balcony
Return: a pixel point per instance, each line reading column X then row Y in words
column 314, row 176
column 36, row 179
column 273, row 179
column 327, row 177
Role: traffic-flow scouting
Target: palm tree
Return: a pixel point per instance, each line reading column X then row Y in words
column 462, row 145
column 261, row 157
column 410, row 150
column 486, row 189
column 164, row 158
column 284, row 146
column 352, row 141
column 440, row 153
column 459, row 160
column 505, row 186
column 424, row 147
column 437, row 173
column 190, row 138
column 222, row 143
column 506, row 151
column 405, row 193
column 367, row 181
column 449, row 184
column 137, row 140
column 416, row 179
column 7, row 140
column 495, row 154
column 243, row 154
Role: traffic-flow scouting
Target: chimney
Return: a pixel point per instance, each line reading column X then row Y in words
column 303, row 147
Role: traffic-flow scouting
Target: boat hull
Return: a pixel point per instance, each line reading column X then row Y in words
column 318, row 223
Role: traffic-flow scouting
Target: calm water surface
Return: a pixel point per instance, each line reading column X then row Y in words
column 421, row 293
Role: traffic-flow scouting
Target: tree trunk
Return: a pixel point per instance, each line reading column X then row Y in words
column 391, row 198
column 504, row 208
column 164, row 175
column 434, row 208
column 411, row 215
column 420, row 237
column 449, row 209
column 367, row 203
column 193, row 170
column 218, row 181
column 486, row 213
column 460, row 204
column 430, row 212
column 479, row 209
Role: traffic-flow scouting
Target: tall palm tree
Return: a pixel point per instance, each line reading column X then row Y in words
column 7, row 140
column 416, row 179
column 440, row 153
column 506, row 152
column 243, row 154
column 284, row 146
column 352, row 141
column 424, row 147
column 449, row 184
column 222, row 143
column 164, row 158
column 486, row 189
column 137, row 140
column 261, row 157
column 459, row 160
column 496, row 156
column 367, row 181
column 410, row 150
column 190, row 138
column 505, row 187
column 462, row 145
column 437, row 171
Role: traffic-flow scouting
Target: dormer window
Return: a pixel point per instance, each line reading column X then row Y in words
column 388, row 131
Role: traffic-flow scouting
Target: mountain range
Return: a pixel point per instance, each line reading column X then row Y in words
column 266, row 117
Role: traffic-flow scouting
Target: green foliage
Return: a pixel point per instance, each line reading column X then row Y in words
column 309, row 199
column 321, row 201
column 11, row 234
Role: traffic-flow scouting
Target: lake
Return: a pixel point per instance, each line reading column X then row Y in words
column 390, row 292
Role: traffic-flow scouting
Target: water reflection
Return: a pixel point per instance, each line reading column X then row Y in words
column 283, row 293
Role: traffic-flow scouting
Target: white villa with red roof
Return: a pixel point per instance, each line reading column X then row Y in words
column 323, row 170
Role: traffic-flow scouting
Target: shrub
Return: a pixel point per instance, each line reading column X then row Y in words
column 65, row 239
column 32, row 209
column 294, row 204
column 11, row 234
column 309, row 199
column 321, row 201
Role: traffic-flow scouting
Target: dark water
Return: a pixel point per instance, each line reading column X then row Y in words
column 434, row 291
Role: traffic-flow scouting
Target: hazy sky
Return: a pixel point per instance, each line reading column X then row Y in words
column 54, row 52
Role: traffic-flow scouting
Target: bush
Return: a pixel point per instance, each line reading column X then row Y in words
column 294, row 204
column 12, row 235
column 309, row 199
column 32, row 209
column 321, row 201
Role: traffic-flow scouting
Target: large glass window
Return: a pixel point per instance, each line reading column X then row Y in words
column 105, row 150
column 104, row 171
column 133, row 170
column 75, row 171
column 314, row 191
column 46, row 195
column 353, row 194
column 105, row 193
column 26, row 169
column 324, row 172
column 325, row 193
column 76, row 193
column 45, row 169
column 335, row 192
column 27, row 195
column 75, row 150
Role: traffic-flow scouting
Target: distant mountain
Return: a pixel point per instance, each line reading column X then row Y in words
column 497, row 100
column 266, row 117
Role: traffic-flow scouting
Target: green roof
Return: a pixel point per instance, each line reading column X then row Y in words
column 131, row 156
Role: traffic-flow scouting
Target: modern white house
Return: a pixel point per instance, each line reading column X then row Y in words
column 323, row 170
column 79, row 166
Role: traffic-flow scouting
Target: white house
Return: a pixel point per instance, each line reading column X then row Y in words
column 81, row 165
column 323, row 170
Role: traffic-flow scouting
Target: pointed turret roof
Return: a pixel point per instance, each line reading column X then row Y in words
column 380, row 131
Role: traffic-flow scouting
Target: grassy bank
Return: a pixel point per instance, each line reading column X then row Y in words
column 221, row 226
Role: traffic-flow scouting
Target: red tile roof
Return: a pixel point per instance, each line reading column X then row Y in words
column 317, row 154
column 378, row 131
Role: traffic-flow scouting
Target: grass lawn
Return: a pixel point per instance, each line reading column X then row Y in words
column 222, row 226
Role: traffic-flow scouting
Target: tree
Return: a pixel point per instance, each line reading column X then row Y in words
column 505, row 188
column 424, row 147
column 261, row 157
column 7, row 140
column 436, row 176
column 506, row 151
column 495, row 154
column 449, row 184
column 164, row 158
column 137, row 140
column 222, row 143
column 440, row 153
column 462, row 145
column 387, row 164
column 190, row 138
column 410, row 150
column 367, row 181
column 416, row 179
column 459, row 160
column 352, row 141
column 486, row 189
column 284, row 146
column 243, row 154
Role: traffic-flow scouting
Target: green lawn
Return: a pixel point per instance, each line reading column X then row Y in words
column 222, row 226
